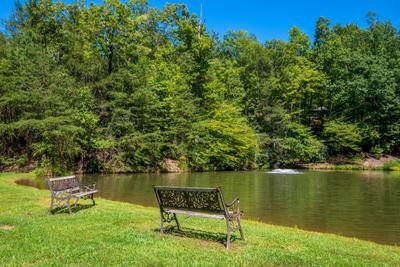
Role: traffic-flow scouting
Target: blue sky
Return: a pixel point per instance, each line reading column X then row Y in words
column 272, row 19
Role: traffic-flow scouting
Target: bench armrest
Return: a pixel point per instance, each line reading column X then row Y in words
column 90, row 187
column 233, row 206
column 236, row 200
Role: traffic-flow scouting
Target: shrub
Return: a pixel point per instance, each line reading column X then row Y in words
column 341, row 138
column 393, row 165
column 299, row 145
column 377, row 151
column 225, row 141
column 13, row 162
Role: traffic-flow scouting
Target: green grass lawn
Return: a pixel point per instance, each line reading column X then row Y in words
column 114, row 233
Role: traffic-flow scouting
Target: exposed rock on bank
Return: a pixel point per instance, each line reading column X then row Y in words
column 170, row 165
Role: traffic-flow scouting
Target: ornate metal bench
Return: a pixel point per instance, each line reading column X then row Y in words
column 204, row 202
column 63, row 189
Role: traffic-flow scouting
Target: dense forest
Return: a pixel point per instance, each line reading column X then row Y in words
column 124, row 87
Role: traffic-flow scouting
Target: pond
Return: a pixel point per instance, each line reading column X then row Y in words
column 362, row 204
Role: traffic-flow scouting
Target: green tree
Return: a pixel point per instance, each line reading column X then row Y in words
column 341, row 138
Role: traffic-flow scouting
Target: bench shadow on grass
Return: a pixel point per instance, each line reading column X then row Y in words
column 74, row 209
column 196, row 234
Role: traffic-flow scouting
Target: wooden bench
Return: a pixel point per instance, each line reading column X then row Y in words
column 203, row 202
column 63, row 189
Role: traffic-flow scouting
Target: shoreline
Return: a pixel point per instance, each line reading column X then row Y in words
column 384, row 163
column 115, row 232
column 249, row 219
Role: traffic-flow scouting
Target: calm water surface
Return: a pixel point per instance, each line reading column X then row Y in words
column 358, row 204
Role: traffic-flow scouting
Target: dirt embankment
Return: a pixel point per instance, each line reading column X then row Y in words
column 369, row 163
column 376, row 163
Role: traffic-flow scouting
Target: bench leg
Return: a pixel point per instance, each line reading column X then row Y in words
column 51, row 205
column 228, row 235
column 91, row 197
column 177, row 222
column 69, row 205
column 162, row 224
column 240, row 228
column 76, row 201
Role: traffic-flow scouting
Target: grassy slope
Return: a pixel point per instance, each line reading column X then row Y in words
column 114, row 233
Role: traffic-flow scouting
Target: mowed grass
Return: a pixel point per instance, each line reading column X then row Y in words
column 114, row 233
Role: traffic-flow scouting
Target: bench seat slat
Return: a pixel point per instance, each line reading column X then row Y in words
column 195, row 213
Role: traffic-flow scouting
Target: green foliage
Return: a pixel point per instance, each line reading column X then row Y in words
column 301, row 146
column 297, row 145
column 341, row 137
column 122, row 87
column 13, row 162
column 223, row 142
column 377, row 151
column 143, row 151
column 392, row 165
